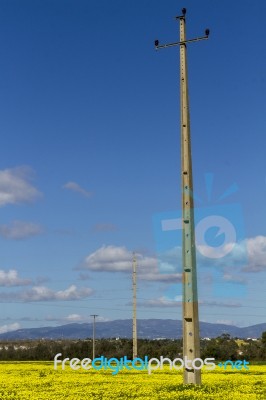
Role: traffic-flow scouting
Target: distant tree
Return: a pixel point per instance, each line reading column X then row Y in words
column 223, row 348
column 42, row 352
column 250, row 350
column 225, row 337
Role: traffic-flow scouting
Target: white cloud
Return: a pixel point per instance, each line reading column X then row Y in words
column 160, row 277
column 20, row 230
column 160, row 302
column 75, row 187
column 165, row 302
column 39, row 293
column 225, row 322
column 109, row 258
column 74, row 318
column 42, row 293
column 11, row 278
column 15, row 186
column 256, row 249
column 248, row 255
column 119, row 259
column 9, row 328
column 230, row 304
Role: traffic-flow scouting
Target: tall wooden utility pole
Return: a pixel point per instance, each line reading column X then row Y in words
column 134, row 282
column 191, row 338
column 93, row 335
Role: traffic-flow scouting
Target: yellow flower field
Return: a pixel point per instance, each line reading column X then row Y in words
column 39, row 381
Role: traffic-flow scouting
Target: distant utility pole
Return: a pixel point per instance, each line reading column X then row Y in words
column 191, row 338
column 93, row 335
column 134, row 280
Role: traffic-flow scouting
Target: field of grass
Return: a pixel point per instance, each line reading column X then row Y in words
column 38, row 380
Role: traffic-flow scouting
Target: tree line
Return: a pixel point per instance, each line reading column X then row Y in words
column 221, row 348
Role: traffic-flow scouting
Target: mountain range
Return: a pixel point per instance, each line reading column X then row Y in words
column 147, row 328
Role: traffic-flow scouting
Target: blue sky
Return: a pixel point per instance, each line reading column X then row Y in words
column 90, row 158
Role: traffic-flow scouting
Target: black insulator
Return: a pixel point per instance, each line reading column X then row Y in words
column 156, row 42
column 207, row 32
column 184, row 10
